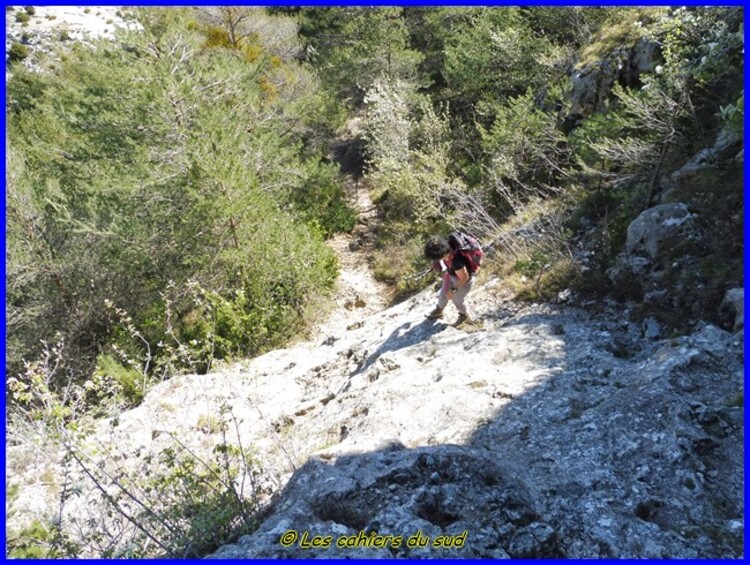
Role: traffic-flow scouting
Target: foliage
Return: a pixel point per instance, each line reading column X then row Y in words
column 646, row 136
column 165, row 161
column 180, row 502
column 620, row 27
column 408, row 149
column 533, row 250
column 502, row 70
column 492, row 57
column 177, row 158
column 352, row 48
column 17, row 52
column 168, row 195
column 524, row 147
column 703, row 45
column 733, row 114
column 128, row 385
column 189, row 503
column 321, row 200
column 39, row 541
column 567, row 26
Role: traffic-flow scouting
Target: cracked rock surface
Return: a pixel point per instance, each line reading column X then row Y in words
column 531, row 435
column 548, row 432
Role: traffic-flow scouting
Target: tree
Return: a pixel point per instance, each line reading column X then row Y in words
column 353, row 47
column 166, row 165
column 494, row 56
column 233, row 20
column 526, row 153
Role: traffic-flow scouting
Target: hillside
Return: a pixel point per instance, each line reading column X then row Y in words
column 549, row 432
column 216, row 295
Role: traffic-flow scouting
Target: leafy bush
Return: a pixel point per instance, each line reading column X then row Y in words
column 492, row 56
column 129, row 384
column 183, row 502
column 36, row 541
column 524, row 147
column 194, row 504
column 22, row 17
column 321, row 200
column 349, row 45
column 733, row 114
column 17, row 52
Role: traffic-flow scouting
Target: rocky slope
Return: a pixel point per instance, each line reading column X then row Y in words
column 559, row 430
column 546, row 432
column 52, row 27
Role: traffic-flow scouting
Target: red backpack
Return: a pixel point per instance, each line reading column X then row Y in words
column 467, row 245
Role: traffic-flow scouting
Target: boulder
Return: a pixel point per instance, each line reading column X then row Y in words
column 592, row 84
column 735, row 302
column 644, row 58
column 622, row 458
column 657, row 230
column 729, row 143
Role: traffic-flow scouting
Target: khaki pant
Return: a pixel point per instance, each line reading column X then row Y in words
column 458, row 297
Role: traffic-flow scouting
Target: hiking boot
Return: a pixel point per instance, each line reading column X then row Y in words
column 462, row 319
column 436, row 314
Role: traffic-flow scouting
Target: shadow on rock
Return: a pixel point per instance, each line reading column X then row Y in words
column 403, row 336
column 598, row 456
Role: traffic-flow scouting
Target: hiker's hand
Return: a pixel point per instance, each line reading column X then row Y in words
column 462, row 277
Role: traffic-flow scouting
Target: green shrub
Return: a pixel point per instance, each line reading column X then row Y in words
column 30, row 10
column 624, row 27
column 22, row 17
column 533, row 265
column 33, row 542
column 321, row 201
column 550, row 280
column 249, row 233
column 129, row 383
column 38, row 540
column 17, row 52
column 199, row 502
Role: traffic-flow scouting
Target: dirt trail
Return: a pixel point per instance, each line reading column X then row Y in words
column 358, row 294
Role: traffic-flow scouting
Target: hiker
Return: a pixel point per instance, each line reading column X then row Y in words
column 457, row 259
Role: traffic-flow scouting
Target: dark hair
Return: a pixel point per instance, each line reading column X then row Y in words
column 435, row 248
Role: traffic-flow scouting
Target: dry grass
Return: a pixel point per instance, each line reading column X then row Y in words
column 626, row 28
column 532, row 255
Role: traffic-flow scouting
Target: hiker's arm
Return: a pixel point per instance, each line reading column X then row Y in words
column 463, row 277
